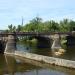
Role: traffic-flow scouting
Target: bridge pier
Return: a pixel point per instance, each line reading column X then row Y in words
column 10, row 45
column 56, row 46
column 56, row 42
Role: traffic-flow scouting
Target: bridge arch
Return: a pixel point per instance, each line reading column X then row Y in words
column 2, row 46
column 42, row 42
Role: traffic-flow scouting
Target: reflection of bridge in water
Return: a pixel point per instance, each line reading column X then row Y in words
column 8, row 40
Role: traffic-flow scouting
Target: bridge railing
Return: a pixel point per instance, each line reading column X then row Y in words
column 35, row 33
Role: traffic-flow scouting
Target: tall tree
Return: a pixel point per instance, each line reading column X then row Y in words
column 53, row 26
column 72, row 26
column 10, row 27
column 64, row 25
column 19, row 28
column 14, row 28
column 35, row 23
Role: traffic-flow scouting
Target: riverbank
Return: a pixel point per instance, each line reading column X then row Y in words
column 46, row 59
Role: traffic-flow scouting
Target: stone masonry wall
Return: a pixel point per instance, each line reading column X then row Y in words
column 46, row 59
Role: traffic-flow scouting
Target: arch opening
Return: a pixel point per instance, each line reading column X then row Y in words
column 2, row 46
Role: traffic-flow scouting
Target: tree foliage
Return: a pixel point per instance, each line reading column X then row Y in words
column 37, row 25
column 11, row 28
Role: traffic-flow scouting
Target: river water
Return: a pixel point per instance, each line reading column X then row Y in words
column 10, row 65
column 42, row 50
column 18, row 66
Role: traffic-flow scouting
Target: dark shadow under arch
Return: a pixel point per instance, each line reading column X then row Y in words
column 2, row 46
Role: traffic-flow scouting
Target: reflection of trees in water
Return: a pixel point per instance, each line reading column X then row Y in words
column 11, row 66
column 38, row 49
column 2, row 64
column 70, row 52
column 36, row 68
column 14, row 66
column 42, row 48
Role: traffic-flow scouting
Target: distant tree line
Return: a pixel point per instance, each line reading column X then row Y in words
column 37, row 25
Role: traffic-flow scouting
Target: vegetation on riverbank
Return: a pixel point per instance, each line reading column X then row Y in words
column 38, row 25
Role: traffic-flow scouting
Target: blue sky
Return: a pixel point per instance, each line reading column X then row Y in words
column 11, row 11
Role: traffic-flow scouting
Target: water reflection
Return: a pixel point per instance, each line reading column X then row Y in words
column 70, row 53
column 20, row 66
column 33, row 48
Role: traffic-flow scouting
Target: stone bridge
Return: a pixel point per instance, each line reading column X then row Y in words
column 8, row 40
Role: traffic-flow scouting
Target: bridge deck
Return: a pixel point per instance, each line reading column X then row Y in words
column 37, row 33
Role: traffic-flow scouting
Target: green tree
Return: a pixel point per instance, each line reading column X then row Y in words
column 53, row 26
column 10, row 28
column 19, row 28
column 37, row 25
column 14, row 28
column 33, row 25
column 72, row 25
column 64, row 25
